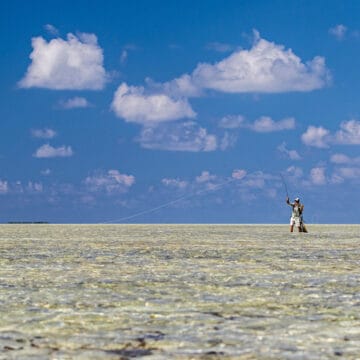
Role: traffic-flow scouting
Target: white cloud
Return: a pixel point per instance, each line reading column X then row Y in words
column 266, row 124
column 111, row 182
column 228, row 140
column 4, row 188
column 338, row 31
column 294, row 172
column 75, row 102
column 255, row 180
column 205, row 177
column 266, row 67
column 336, row 179
column 43, row 133
column 187, row 136
column 132, row 104
column 349, row 133
column 232, row 122
column 123, row 56
column 262, row 124
column 238, row 174
column 340, row 159
column 35, row 187
column 176, row 183
column 181, row 87
column 51, row 29
column 45, row 172
column 74, row 64
column 317, row 176
column 47, row 151
column 349, row 172
column 344, row 159
column 126, row 51
column 291, row 154
column 316, row 136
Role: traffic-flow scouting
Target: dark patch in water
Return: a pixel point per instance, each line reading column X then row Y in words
column 130, row 353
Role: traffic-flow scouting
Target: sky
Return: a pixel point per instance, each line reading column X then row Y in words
column 179, row 111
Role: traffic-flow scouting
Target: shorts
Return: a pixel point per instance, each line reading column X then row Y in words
column 295, row 221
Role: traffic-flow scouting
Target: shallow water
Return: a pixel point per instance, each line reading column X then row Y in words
column 179, row 292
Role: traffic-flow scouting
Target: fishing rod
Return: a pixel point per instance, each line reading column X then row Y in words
column 284, row 182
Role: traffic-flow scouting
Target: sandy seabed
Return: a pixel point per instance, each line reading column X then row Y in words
column 179, row 292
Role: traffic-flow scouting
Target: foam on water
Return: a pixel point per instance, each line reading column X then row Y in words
column 179, row 292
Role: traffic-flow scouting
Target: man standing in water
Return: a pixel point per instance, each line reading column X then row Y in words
column 296, row 215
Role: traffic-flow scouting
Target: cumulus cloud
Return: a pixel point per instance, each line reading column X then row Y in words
column 4, row 188
column 47, row 151
column 262, row 124
column 265, row 68
column 338, row 31
column 294, row 172
column 317, row 176
column 175, row 183
column 347, row 168
column 134, row 105
column 232, row 121
column 316, row 136
column 74, row 64
column 75, row 102
column 187, row 136
column 291, row 154
column 43, row 133
column 182, row 86
column 205, row 177
column 111, row 182
column 344, row 159
column 266, row 124
column 348, row 134
column 349, row 172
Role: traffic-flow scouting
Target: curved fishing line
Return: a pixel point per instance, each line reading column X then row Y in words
column 284, row 182
column 215, row 187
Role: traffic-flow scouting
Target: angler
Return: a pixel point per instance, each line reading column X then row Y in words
column 296, row 215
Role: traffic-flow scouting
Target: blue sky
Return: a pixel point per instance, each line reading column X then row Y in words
column 109, row 109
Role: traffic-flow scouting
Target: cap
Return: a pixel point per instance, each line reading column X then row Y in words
column 297, row 199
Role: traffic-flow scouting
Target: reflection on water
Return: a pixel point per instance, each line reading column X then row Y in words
column 179, row 292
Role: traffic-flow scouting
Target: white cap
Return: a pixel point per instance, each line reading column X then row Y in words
column 297, row 199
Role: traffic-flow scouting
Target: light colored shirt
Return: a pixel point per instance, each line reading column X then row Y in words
column 297, row 209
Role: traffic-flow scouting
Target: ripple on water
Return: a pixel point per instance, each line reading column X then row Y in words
column 178, row 291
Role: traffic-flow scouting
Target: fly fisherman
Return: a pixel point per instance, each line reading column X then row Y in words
column 296, row 215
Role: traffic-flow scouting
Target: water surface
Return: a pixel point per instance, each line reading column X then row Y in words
column 179, row 292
